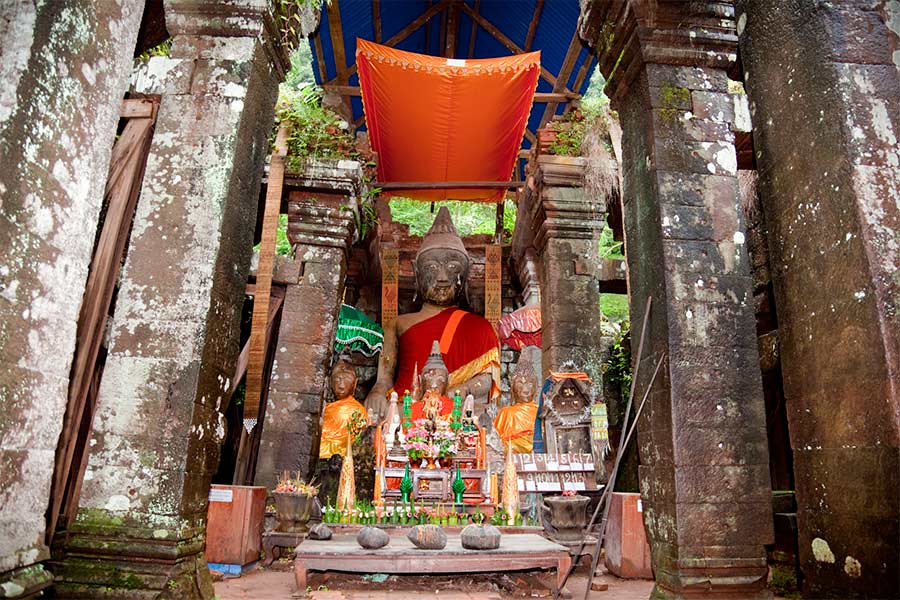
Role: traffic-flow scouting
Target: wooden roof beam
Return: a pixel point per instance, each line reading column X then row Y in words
column 510, row 45
column 451, row 35
column 532, row 27
column 474, row 31
column 337, row 40
column 565, row 71
column 376, row 19
column 405, row 32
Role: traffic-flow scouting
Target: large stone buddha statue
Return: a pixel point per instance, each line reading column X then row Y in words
column 468, row 344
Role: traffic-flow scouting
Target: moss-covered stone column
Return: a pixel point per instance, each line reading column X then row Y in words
column 174, row 338
column 64, row 71
column 321, row 226
column 823, row 83
column 704, row 470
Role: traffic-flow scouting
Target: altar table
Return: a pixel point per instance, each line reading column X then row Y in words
column 516, row 552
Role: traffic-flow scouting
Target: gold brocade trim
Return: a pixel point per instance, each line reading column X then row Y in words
column 489, row 362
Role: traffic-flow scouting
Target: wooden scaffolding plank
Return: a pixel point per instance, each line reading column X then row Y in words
column 264, row 270
column 126, row 171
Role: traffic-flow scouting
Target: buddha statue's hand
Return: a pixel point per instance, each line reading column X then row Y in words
column 376, row 404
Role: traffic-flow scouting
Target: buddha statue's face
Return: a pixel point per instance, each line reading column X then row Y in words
column 434, row 380
column 440, row 274
column 343, row 381
column 523, row 388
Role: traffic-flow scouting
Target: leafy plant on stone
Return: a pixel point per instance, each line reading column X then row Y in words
column 315, row 131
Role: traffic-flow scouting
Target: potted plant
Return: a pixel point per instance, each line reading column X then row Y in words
column 294, row 499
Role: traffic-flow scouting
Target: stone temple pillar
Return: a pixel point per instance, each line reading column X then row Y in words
column 63, row 73
column 704, row 471
column 321, row 226
column 174, row 338
column 825, row 93
column 567, row 227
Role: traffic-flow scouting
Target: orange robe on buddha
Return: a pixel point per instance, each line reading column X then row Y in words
column 469, row 347
column 334, row 425
column 515, row 425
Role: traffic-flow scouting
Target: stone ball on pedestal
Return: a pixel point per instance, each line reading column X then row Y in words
column 372, row 538
column 480, row 537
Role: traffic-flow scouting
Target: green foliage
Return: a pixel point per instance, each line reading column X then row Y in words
column 470, row 218
column 300, row 74
column 315, row 131
column 288, row 18
column 614, row 307
column 570, row 132
column 164, row 48
column 617, row 370
column 608, row 247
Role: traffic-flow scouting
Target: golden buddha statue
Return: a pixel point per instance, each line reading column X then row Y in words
column 339, row 414
column 515, row 423
column 467, row 342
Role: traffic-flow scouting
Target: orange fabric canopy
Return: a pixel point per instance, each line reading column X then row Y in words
column 435, row 119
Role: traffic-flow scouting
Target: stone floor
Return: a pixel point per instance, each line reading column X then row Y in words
column 278, row 584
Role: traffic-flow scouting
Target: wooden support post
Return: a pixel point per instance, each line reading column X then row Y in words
column 256, row 363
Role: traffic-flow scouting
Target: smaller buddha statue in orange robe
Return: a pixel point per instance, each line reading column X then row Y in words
column 434, row 402
column 339, row 414
column 515, row 423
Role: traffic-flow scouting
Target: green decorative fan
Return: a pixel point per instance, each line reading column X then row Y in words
column 358, row 332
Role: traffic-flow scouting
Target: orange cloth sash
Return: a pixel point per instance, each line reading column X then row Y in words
column 334, row 425
column 515, row 424
column 471, row 342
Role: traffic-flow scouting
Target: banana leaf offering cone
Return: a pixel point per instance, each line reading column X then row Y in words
column 346, row 495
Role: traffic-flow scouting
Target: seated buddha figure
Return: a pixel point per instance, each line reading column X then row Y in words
column 467, row 342
column 515, row 423
column 339, row 413
column 434, row 404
